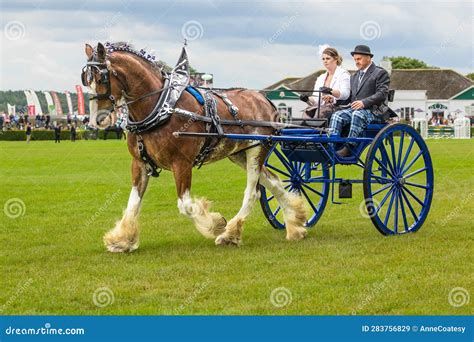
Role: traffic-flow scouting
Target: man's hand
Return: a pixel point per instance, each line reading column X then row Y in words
column 357, row 105
column 328, row 99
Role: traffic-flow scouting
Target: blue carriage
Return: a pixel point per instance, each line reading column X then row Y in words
column 397, row 176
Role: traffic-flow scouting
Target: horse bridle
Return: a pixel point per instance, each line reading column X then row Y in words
column 87, row 76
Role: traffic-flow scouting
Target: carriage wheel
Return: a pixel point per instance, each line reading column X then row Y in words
column 305, row 178
column 398, row 180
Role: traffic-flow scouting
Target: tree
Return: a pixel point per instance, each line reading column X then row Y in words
column 402, row 62
column 470, row 76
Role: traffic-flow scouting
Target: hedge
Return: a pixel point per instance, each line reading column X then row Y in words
column 14, row 135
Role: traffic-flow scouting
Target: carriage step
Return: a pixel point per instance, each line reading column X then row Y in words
column 345, row 189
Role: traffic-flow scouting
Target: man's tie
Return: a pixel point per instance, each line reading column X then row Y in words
column 361, row 76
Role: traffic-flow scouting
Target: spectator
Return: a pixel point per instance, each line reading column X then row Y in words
column 28, row 132
column 57, row 133
column 73, row 133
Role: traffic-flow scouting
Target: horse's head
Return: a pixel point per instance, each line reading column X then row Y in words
column 104, row 84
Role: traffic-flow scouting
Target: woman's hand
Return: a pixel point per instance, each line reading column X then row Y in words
column 328, row 98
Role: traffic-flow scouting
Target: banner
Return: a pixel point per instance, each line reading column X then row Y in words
column 31, row 110
column 11, row 109
column 36, row 102
column 69, row 102
column 80, row 101
column 49, row 101
column 57, row 103
column 29, row 98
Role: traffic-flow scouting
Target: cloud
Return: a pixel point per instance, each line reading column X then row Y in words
column 243, row 43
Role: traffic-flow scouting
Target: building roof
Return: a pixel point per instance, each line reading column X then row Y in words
column 439, row 83
column 284, row 81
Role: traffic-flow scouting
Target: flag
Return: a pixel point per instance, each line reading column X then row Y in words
column 36, row 102
column 49, row 101
column 69, row 102
column 29, row 98
column 80, row 101
column 11, row 109
column 57, row 103
column 31, row 110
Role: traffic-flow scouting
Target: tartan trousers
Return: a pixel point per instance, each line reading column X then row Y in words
column 358, row 119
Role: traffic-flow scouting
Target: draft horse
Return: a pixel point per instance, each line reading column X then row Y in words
column 116, row 74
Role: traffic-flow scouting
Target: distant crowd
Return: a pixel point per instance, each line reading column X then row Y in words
column 27, row 123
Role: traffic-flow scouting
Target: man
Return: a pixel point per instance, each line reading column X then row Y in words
column 369, row 92
column 57, row 133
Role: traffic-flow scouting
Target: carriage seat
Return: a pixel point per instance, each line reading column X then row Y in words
column 317, row 123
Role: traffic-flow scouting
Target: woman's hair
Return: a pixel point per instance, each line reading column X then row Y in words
column 330, row 51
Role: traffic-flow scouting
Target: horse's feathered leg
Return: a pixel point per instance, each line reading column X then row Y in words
column 209, row 224
column 234, row 228
column 125, row 236
column 292, row 205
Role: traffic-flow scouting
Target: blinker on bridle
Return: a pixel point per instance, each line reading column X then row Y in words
column 87, row 77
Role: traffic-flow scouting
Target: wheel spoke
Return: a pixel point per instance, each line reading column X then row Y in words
column 309, row 201
column 383, row 166
column 416, row 172
column 389, row 210
column 278, row 170
column 301, row 167
column 414, row 196
column 395, row 219
column 313, row 190
column 409, row 206
column 284, row 160
column 402, row 206
column 392, row 148
column 382, row 189
column 382, row 178
column 384, row 200
column 412, row 162
column 407, row 152
column 417, row 185
column 399, row 159
column 384, row 153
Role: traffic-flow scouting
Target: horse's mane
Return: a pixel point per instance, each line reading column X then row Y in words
column 142, row 54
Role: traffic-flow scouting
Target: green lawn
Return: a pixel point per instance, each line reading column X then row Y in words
column 53, row 259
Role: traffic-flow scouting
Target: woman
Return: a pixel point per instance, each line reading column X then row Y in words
column 337, row 82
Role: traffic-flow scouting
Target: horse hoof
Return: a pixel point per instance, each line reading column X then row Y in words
column 223, row 240
column 115, row 245
column 121, row 248
column 297, row 234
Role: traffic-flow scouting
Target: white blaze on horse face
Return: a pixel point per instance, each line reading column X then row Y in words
column 93, row 107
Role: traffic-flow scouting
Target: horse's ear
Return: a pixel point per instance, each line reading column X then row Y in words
column 89, row 51
column 101, row 54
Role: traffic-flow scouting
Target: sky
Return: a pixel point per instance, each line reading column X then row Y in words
column 249, row 44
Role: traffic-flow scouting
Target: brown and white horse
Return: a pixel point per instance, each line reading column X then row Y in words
column 132, row 76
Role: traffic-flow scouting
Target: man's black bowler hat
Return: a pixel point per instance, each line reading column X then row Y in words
column 362, row 50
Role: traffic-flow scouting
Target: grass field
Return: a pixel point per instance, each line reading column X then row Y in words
column 53, row 260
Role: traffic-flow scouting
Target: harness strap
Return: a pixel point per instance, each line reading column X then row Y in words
column 212, row 126
column 150, row 165
column 230, row 106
